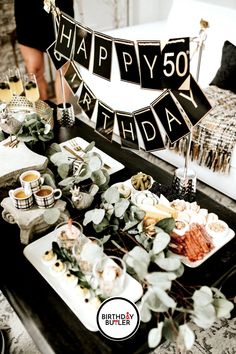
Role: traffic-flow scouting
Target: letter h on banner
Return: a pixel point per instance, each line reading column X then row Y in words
column 127, row 130
column 65, row 36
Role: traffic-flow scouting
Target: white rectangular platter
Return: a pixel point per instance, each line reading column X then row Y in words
column 86, row 312
column 217, row 245
column 114, row 165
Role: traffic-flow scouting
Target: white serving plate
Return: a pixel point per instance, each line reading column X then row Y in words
column 114, row 165
column 84, row 311
column 217, row 245
column 217, row 242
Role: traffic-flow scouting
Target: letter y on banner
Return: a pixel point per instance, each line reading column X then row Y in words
column 170, row 116
column 193, row 101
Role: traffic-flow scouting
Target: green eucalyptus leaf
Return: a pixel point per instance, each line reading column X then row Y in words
column 96, row 216
column 51, row 215
column 49, row 180
column 204, row 316
column 186, row 336
column 98, row 177
column 164, row 297
column 111, row 195
column 145, row 312
column 63, row 170
column 26, row 138
column 160, row 242
column 53, row 148
column 89, row 147
column 162, row 279
column 155, row 303
column 59, row 158
column 167, row 224
column 223, row 307
column 130, row 224
column 170, row 329
column 179, row 271
column 203, row 296
column 139, row 254
column 169, row 264
column 95, row 163
column 102, row 226
column 120, row 207
column 67, row 181
column 155, row 335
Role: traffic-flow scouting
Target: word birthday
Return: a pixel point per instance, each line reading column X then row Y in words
column 117, row 319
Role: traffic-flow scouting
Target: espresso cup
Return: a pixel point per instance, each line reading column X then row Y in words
column 31, row 181
column 21, row 200
column 46, row 196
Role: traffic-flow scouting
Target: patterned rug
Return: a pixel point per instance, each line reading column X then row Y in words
column 17, row 339
column 219, row 339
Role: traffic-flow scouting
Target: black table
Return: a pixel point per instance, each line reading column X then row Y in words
column 52, row 325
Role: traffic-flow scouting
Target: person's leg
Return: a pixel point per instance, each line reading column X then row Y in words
column 34, row 62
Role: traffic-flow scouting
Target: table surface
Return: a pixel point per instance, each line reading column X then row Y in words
column 52, row 325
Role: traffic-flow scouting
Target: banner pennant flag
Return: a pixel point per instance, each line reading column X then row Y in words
column 105, row 120
column 170, row 116
column 194, row 102
column 87, row 100
column 102, row 56
column 57, row 59
column 73, row 77
column 83, row 44
column 128, row 62
column 127, row 130
column 65, row 36
column 149, row 129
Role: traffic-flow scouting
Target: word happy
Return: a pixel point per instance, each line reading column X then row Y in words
column 157, row 66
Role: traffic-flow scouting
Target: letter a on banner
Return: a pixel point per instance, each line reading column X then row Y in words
column 150, row 64
column 73, row 77
column 127, row 130
column 149, row 130
column 170, row 116
column 102, row 56
column 87, row 100
column 194, row 102
column 175, row 59
column 65, row 36
column 128, row 63
column 105, row 120
column 83, row 43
